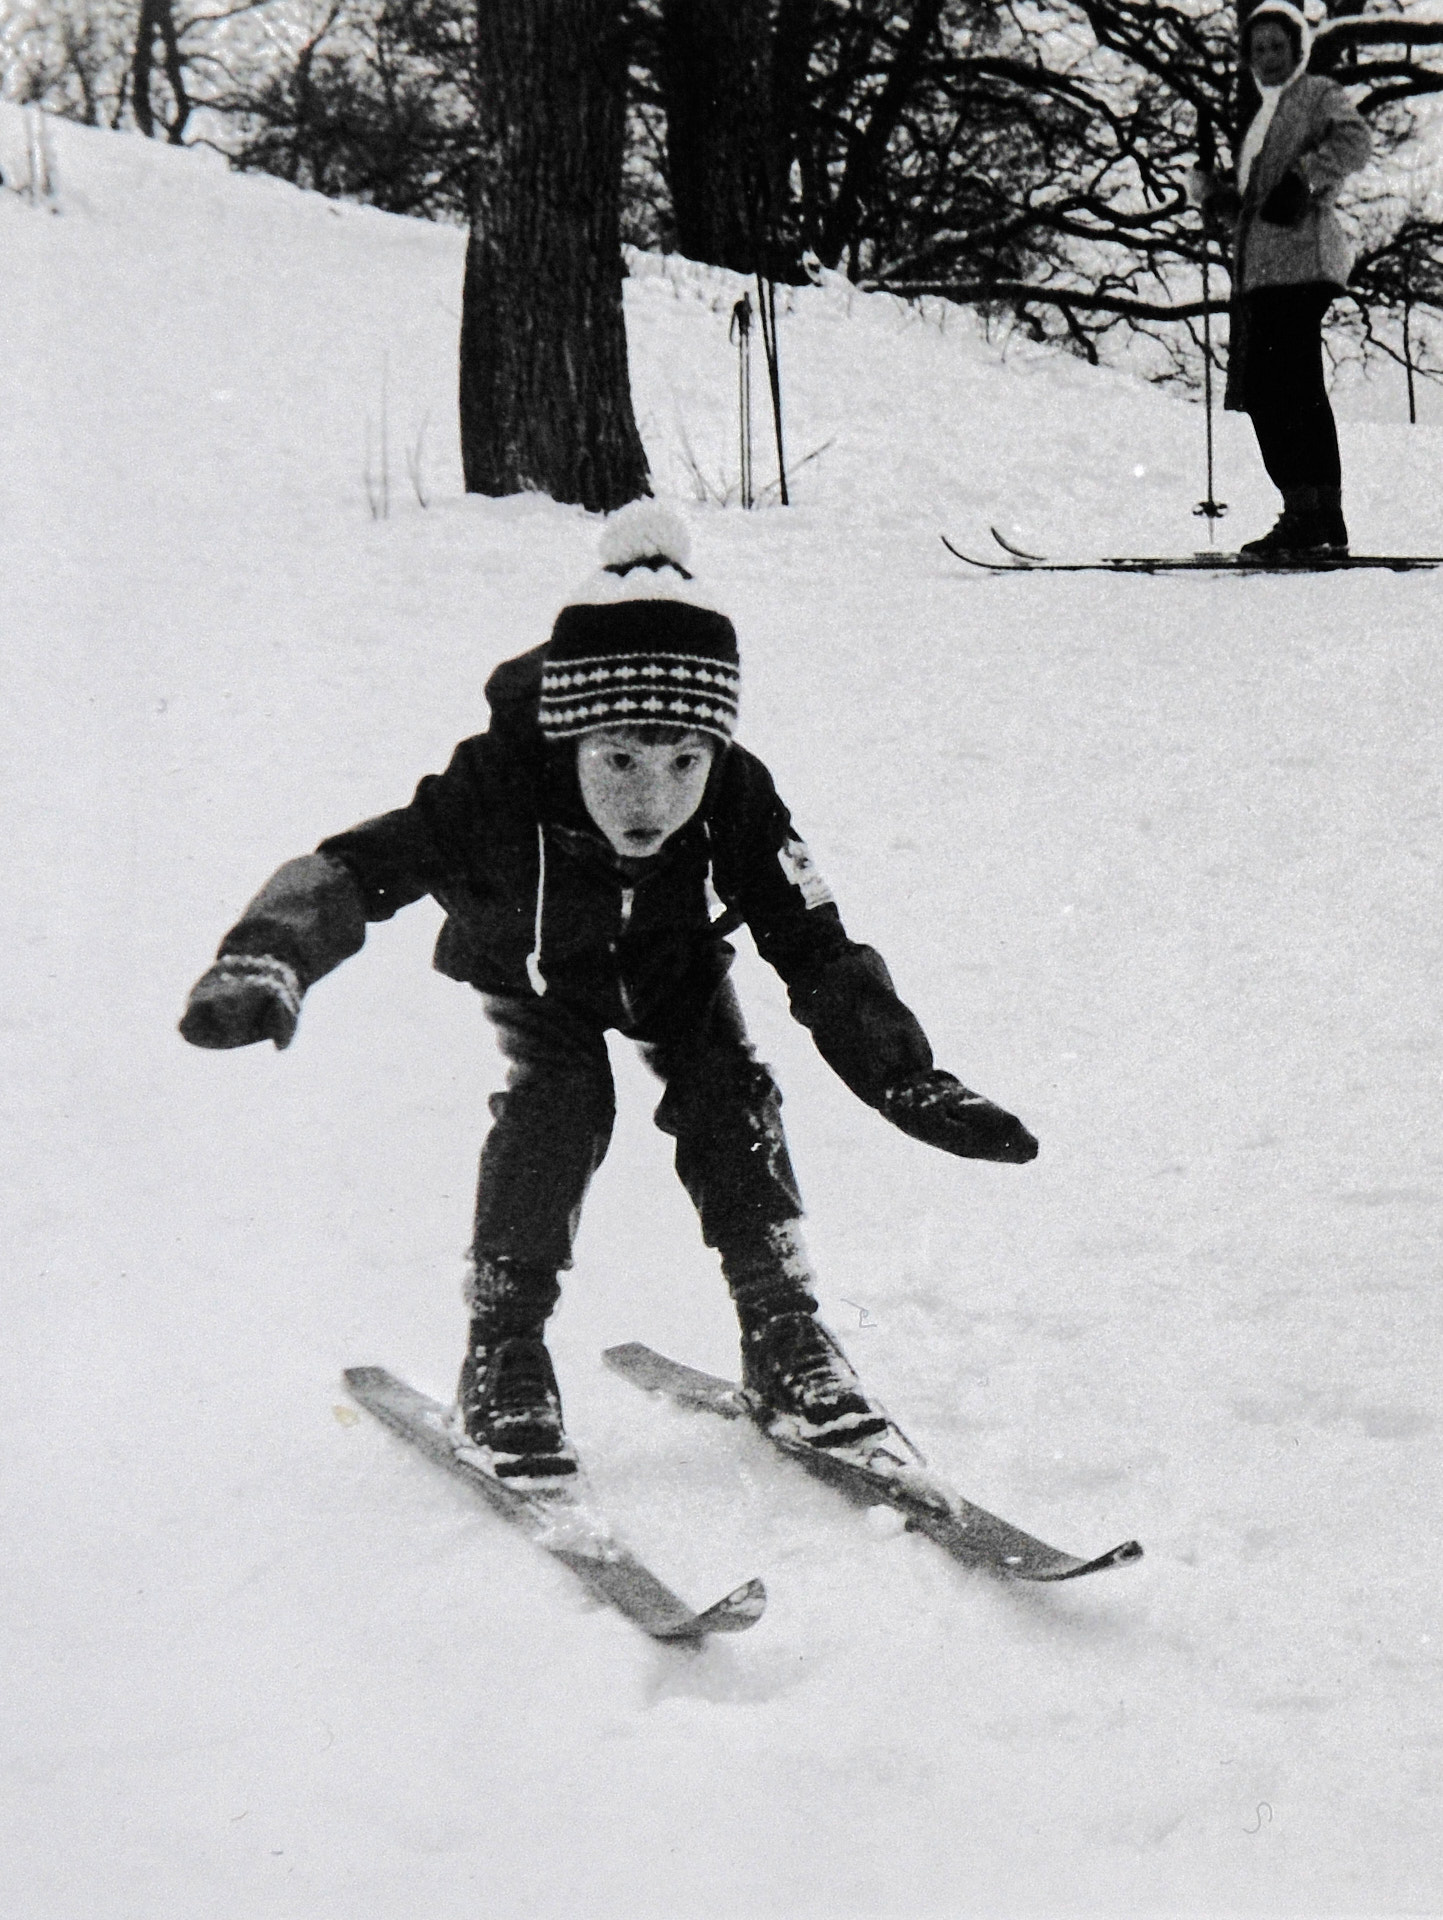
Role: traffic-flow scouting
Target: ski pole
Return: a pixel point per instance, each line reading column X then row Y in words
column 741, row 332
column 767, row 303
column 1212, row 507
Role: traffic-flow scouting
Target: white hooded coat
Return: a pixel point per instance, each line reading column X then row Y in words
column 1309, row 127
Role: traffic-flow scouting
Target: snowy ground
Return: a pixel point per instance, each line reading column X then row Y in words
column 1155, row 860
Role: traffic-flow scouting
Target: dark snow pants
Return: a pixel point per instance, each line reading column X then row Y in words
column 1283, row 386
column 553, row 1125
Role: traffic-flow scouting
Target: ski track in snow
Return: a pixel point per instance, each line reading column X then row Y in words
column 1156, row 862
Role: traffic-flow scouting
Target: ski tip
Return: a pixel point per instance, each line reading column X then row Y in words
column 958, row 554
column 358, row 1379
column 738, row 1610
column 1122, row 1556
column 1007, row 546
column 626, row 1357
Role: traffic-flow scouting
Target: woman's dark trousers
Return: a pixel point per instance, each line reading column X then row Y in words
column 1284, row 390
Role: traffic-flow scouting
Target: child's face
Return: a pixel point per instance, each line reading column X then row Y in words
column 640, row 789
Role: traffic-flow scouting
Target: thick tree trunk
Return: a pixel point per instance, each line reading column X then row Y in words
column 545, row 390
column 716, row 80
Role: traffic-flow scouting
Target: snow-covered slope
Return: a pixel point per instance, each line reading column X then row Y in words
column 1155, row 860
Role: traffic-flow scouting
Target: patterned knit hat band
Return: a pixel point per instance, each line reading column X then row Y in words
column 640, row 689
column 640, row 662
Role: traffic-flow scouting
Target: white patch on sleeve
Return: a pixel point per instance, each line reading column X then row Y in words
column 801, row 870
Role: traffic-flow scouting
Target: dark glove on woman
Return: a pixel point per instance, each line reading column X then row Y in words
column 1223, row 205
column 1287, row 203
column 1214, row 193
column 243, row 998
column 937, row 1108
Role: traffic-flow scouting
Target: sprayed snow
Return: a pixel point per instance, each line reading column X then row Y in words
column 1155, row 860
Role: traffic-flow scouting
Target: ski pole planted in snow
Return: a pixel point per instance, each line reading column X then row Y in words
column 767, row 306
column 741, row 331
column 1212, row 508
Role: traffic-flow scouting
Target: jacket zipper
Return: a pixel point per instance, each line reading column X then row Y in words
column 628, row 895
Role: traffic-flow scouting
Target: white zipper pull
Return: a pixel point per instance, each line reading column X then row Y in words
column 628, row 894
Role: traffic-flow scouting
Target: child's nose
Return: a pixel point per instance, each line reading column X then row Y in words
column 649, row 791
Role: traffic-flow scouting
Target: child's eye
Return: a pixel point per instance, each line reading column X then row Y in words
column 685, row 762
column 620, row 762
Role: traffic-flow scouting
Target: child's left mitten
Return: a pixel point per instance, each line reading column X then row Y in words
column 243, row 998
column 937, row 1108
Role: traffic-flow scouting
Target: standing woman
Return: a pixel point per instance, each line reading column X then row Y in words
column 1291, row 258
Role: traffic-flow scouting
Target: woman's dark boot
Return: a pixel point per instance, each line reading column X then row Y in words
column 1311, row 525
column 1331, row 524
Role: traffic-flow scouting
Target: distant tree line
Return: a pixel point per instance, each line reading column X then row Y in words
column 1026, row 159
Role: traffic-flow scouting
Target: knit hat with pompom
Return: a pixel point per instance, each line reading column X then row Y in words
column 637, row 646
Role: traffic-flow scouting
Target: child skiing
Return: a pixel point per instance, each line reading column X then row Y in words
column 573, row 847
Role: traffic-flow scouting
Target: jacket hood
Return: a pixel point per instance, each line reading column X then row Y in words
column 1288, row 15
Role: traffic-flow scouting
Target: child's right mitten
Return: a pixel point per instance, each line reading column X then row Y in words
column 243, row 998
column 937, row 1108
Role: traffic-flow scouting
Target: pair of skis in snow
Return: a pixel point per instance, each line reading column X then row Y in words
column 564, row 1520
column 1018, row 560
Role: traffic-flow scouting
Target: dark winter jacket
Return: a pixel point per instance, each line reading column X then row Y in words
column 536, row 900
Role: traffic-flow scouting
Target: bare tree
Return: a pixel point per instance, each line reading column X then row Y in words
column 157, row 25
column 377, row 102
column 114, row 63
column 1029, row 158
column 70, row 57
column 1104, row 104
column 781, row 117
column 545, row 392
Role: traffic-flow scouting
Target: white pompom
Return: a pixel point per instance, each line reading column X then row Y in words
column 644, row 530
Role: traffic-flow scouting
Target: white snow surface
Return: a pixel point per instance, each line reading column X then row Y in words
column 1156, row 862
